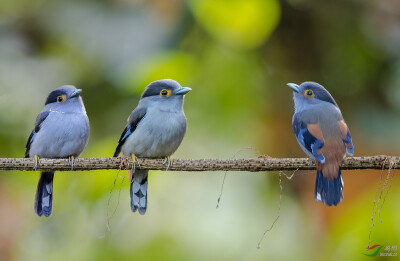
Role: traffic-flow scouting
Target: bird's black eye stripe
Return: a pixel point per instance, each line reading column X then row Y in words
column 61, row 98
column 165, row 92
column 309, row 93
column 53, row 96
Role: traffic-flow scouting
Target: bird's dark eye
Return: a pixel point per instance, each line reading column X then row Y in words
column 165, row 93
column 60, row 98
column 309, row 93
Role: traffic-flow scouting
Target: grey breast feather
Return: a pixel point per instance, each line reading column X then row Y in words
column 61, row 135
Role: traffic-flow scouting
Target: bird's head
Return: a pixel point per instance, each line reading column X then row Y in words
column 64, row 98
column 310, row 93
column 164, row 93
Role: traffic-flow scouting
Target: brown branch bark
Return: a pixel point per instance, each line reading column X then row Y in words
column 251, row 164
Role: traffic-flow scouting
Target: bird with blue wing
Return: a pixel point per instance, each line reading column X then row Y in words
column 324, row 136
column 155, row 129
column 61, row 131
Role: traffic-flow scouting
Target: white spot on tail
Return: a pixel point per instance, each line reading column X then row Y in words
column 142, row 202
column 135, row 186
column 46, row 201
column 143, row 188
column 49, row 188
column 135, row 200
column 319, row 198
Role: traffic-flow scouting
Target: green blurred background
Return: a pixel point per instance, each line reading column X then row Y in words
column 237, row 56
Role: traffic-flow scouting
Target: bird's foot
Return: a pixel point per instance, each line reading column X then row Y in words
column 167, row 159
column 311, row 163
column 36, row 160
column 135, row 161
column 71, row 161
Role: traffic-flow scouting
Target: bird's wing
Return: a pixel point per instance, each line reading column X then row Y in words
column 310, row 136
column 346, row 137
column 133, row 121
column 39, row 120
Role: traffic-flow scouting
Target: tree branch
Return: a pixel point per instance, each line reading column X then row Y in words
column 251, row 164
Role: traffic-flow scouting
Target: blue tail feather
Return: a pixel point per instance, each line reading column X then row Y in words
column 138, row 191
column 329, row 192
column 44, row 194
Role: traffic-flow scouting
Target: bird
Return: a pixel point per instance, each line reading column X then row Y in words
column 155, row 129
column 61, row 131
column 324, row 136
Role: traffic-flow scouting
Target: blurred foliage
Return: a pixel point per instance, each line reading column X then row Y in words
column 243, row 24
column 237, row 56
